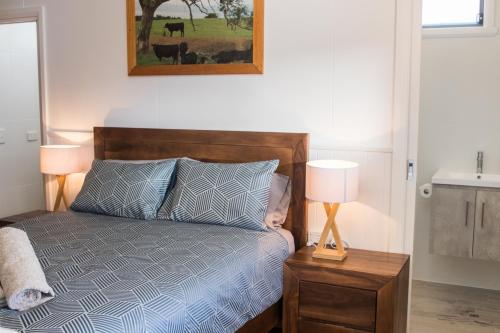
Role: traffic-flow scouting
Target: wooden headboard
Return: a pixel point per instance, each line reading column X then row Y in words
column 217, row 146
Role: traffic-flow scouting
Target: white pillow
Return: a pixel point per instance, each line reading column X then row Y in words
column 279, row 201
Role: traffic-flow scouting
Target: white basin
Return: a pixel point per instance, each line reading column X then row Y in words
column 444, row 177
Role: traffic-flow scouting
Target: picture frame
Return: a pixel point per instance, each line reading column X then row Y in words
column 145, row 57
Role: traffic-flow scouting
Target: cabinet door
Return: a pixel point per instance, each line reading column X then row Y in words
column 452, row 227
column 487, row 234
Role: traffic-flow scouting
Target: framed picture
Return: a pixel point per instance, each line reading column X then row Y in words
column 195, row 37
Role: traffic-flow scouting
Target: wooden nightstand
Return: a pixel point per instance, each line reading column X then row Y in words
column 21, row 217
column 368, row 292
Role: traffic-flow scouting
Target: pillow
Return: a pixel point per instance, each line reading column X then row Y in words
column 172, row 179
column 216, row 193
column 125, row 189
column 279, row 201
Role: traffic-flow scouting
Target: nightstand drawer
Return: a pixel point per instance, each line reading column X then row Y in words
column 339, row 305
column 308, row 326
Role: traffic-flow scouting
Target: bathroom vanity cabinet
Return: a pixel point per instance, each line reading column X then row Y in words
column 487, row 229
column 465, row 222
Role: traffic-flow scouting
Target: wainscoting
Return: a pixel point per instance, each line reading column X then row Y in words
column 364, row 224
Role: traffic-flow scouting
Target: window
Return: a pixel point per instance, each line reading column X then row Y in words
column 458, row 18
column 452, row 13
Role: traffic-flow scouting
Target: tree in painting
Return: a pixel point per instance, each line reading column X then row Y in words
column 148, row 11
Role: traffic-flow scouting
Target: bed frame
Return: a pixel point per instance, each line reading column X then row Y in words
column 223, row 147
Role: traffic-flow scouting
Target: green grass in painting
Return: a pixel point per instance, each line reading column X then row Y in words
column 150, row 59
column 205, row 28
column 210, row 37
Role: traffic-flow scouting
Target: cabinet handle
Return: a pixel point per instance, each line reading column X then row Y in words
column 467, row 213
column 482, row 215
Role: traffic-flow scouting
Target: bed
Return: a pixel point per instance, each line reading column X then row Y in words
column 120, row 275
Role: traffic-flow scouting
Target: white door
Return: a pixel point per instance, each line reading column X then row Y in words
column 21, row 184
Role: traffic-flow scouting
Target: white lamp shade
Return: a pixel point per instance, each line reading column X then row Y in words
column 60, row 160
column 332, row 181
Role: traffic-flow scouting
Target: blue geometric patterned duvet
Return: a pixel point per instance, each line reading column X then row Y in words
column 122, row 275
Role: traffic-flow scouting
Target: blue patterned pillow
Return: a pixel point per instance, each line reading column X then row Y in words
column 227, row 194
column 125, row 189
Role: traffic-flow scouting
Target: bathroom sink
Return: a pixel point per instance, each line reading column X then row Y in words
column 444, row 177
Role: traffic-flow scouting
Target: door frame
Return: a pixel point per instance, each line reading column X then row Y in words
column 406, row 106
column 408, row 55
column 413, row 127
column 35, row 14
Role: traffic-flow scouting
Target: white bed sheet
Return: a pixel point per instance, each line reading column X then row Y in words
column 289, row 239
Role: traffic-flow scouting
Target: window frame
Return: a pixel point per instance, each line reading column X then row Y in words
column 486, row 28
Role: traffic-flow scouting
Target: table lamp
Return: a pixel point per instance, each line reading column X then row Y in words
column 60, row 161
column 331, row 182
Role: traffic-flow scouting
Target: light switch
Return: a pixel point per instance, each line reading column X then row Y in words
column 2, row 136
column 32, row 136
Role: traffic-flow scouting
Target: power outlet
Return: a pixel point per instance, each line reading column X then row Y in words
column 32, row 136
column 2, row 136
column 315, row 236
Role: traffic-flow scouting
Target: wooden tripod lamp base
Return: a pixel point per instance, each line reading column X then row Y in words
column 322, row 252
column 61, row 196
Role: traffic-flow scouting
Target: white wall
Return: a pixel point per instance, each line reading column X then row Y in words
column 21, row 187
column 460, row 115
column 333, row 79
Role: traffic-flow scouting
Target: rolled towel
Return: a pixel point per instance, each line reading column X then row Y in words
column 21, row 275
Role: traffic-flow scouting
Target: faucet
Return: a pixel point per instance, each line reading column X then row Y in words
column 479, row 166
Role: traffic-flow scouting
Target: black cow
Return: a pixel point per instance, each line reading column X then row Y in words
column 167, row 51
column 171, row 27
column 190, row 58
column 227, row 57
